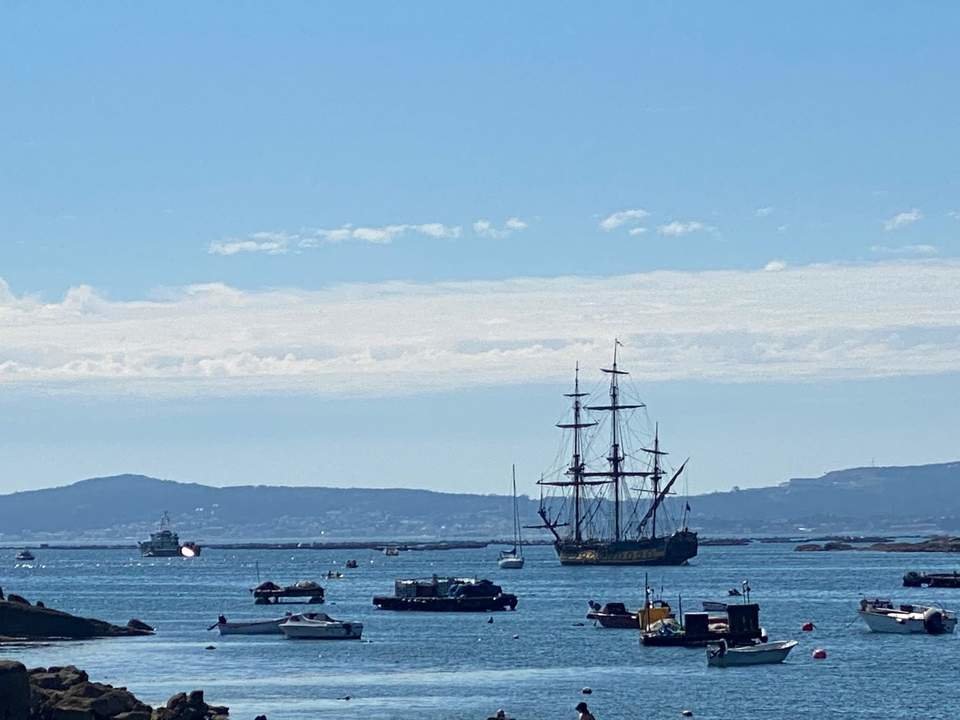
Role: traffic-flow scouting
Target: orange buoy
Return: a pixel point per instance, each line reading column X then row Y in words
column 808, row 627
column 819, row 654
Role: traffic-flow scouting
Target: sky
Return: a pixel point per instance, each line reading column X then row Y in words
column 365, row 244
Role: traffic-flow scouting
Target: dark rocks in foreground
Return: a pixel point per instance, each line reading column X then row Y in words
column 21, row 621
column 66, row 693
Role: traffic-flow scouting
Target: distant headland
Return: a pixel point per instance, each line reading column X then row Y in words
column 121, row 509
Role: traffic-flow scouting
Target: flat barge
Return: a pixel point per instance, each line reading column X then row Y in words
column 446, row 594
column 269, row 593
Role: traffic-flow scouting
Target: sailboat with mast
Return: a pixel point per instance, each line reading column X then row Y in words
column 512, row 559
column 604, row 525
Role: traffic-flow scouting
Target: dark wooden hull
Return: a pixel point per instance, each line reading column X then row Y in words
column 941, row 580
column 683, row 640
column 675, row 549
column 615, row 622
column 501, row 602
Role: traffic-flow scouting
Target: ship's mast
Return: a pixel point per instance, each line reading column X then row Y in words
column 616, row 473
column 575, row 471
column 655, row 477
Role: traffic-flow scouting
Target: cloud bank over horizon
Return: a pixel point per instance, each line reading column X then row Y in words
column 800, row 323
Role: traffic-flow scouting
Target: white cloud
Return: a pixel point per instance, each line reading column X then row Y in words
column 623, row 217
column 955, row 214
column 638, row 230
column 268, row 243
column 781, row 228
column 677, row 228
column 763, row 212
column 775, row 266
column 902, row 220
column 485, row 228
column 822, row 321
column 918, row 250
column 278, row 243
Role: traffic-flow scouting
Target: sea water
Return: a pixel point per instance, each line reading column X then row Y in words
column 533, row 662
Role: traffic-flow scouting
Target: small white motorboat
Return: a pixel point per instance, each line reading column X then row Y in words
column 391, row 551
column 881, row 616
column 320, row 626
column 250, row 627
column 25, row 556
column 769, row 653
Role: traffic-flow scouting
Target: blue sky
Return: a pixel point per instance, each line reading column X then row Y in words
column 241, row 244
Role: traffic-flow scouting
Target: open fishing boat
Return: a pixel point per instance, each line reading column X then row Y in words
column 270, row 626
column 769, row 653
column 512, row 559
column 881, row 616
column 616, row 615
column 319, row 626
column 250, row 627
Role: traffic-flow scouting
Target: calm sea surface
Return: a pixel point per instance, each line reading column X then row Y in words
column 459, row 666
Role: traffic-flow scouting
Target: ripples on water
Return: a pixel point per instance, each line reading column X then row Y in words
column 459, row 666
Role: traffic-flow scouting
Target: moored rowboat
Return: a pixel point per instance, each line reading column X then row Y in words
column 719, row 655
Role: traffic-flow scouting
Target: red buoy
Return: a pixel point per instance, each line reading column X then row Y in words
column 808, row 627
column 819, row 654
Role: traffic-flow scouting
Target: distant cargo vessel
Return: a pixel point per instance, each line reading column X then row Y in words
column 166, row 543
column 604, row 526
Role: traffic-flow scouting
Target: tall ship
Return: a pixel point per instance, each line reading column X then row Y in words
column 166, row 543
column 589, row 506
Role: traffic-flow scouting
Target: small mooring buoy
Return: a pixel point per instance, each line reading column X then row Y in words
column 808, row 626
column 687, row 713
column 819, row 654
column 586, row 691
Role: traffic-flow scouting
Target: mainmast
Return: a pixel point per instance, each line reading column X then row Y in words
column 616, row 473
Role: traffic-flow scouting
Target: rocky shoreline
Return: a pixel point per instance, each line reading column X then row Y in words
column 66, row 693
column 20, row 621
column 940, row 544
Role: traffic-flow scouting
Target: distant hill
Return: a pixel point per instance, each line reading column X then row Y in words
column 124, row 508
column 881, row 498
column 127, row 507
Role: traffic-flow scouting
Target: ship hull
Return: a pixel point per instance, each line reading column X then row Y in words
column 676, row 549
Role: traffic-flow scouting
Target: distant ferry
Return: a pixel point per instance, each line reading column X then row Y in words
column 166, row 543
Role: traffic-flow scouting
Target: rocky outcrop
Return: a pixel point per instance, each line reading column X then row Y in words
column 14, row 691
column 941, row 543
column 190, row 707
column 22, row 621
column 66, row 693
column 814, row 547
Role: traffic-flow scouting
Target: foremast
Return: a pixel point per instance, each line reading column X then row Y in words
column 576, row 471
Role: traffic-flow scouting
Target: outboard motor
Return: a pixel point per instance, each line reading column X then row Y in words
column 933, row 622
